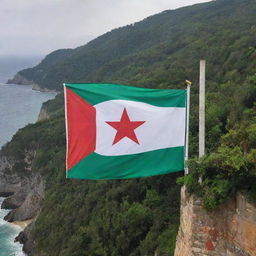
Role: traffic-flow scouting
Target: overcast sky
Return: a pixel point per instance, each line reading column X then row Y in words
column 37, row 27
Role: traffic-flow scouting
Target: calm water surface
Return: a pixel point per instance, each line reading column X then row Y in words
column 19, row 106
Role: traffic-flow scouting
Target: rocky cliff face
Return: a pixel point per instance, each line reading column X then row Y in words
column 24, row 195
column 229, row 230
column 19, row 79
column 43, row 115
column 9, row 183
column 27, row 200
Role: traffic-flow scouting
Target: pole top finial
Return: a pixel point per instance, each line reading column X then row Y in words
column 188, row 82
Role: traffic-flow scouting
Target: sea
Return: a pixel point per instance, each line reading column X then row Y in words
column 8, row 232
column 19, row 106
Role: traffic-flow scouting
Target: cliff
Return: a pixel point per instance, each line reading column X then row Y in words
column 26, row 200
column 19, row 79
column 24, row 194
column 52, row 107
column 229, row 230
column 43, row 114
column 21, row 182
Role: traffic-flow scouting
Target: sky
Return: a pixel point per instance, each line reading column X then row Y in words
column 37, row 27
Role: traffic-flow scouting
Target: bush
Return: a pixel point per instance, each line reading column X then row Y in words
column 228, row 170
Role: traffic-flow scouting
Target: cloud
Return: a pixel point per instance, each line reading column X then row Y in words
column 32, row 27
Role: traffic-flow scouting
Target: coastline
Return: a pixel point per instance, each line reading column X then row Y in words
column 29, row 115
column 22, row 224
column 20, row 80
column 8, row 235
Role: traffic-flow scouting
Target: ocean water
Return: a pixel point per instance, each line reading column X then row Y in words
column 19, row 106
column 8, row 232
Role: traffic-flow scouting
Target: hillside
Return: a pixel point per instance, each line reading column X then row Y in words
column 139, row 216
column 151, row 52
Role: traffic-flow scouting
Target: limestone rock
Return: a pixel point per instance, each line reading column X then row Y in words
column 31, row 202
column 43, row 115
column 229, row 230
column 25, row 194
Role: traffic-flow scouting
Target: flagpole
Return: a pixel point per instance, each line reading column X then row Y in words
column 66, row 124
column 187, row 123
column 202, row 109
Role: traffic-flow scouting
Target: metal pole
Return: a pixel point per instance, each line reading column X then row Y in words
column 202, row 109
column 187, row 123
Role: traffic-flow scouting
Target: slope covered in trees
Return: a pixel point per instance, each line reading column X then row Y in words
column 161, row 50
column 140, row 216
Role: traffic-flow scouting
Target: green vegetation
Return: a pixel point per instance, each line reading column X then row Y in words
column 109, row 217
column 230, row 169
column 232, row 166
column 162, row 50
column 141, row 216
column 123, row 217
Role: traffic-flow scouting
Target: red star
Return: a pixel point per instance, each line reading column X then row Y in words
column 125, row 128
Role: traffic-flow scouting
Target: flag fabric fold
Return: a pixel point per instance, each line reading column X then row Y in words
column 119, row 132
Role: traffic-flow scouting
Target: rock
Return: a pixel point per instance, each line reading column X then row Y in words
column 43, row 115
column 228, row 230
column 17, row 198
column 29, row 201
column 10, row 182
column 25, row 191
column 12, row 202
column 19, row 79
column 6, row 194
column 27, row 210
column 22, row 238
column 29, row 245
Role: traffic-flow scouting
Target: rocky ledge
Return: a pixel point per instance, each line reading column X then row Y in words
column 25, row 203
column 43, row 115
column 229, row 230
column 24, row 194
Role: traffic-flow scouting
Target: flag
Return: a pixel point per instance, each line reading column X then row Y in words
column 119, row 132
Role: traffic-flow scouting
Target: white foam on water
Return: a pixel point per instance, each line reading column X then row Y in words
column 8, row 232
column 2, row 222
